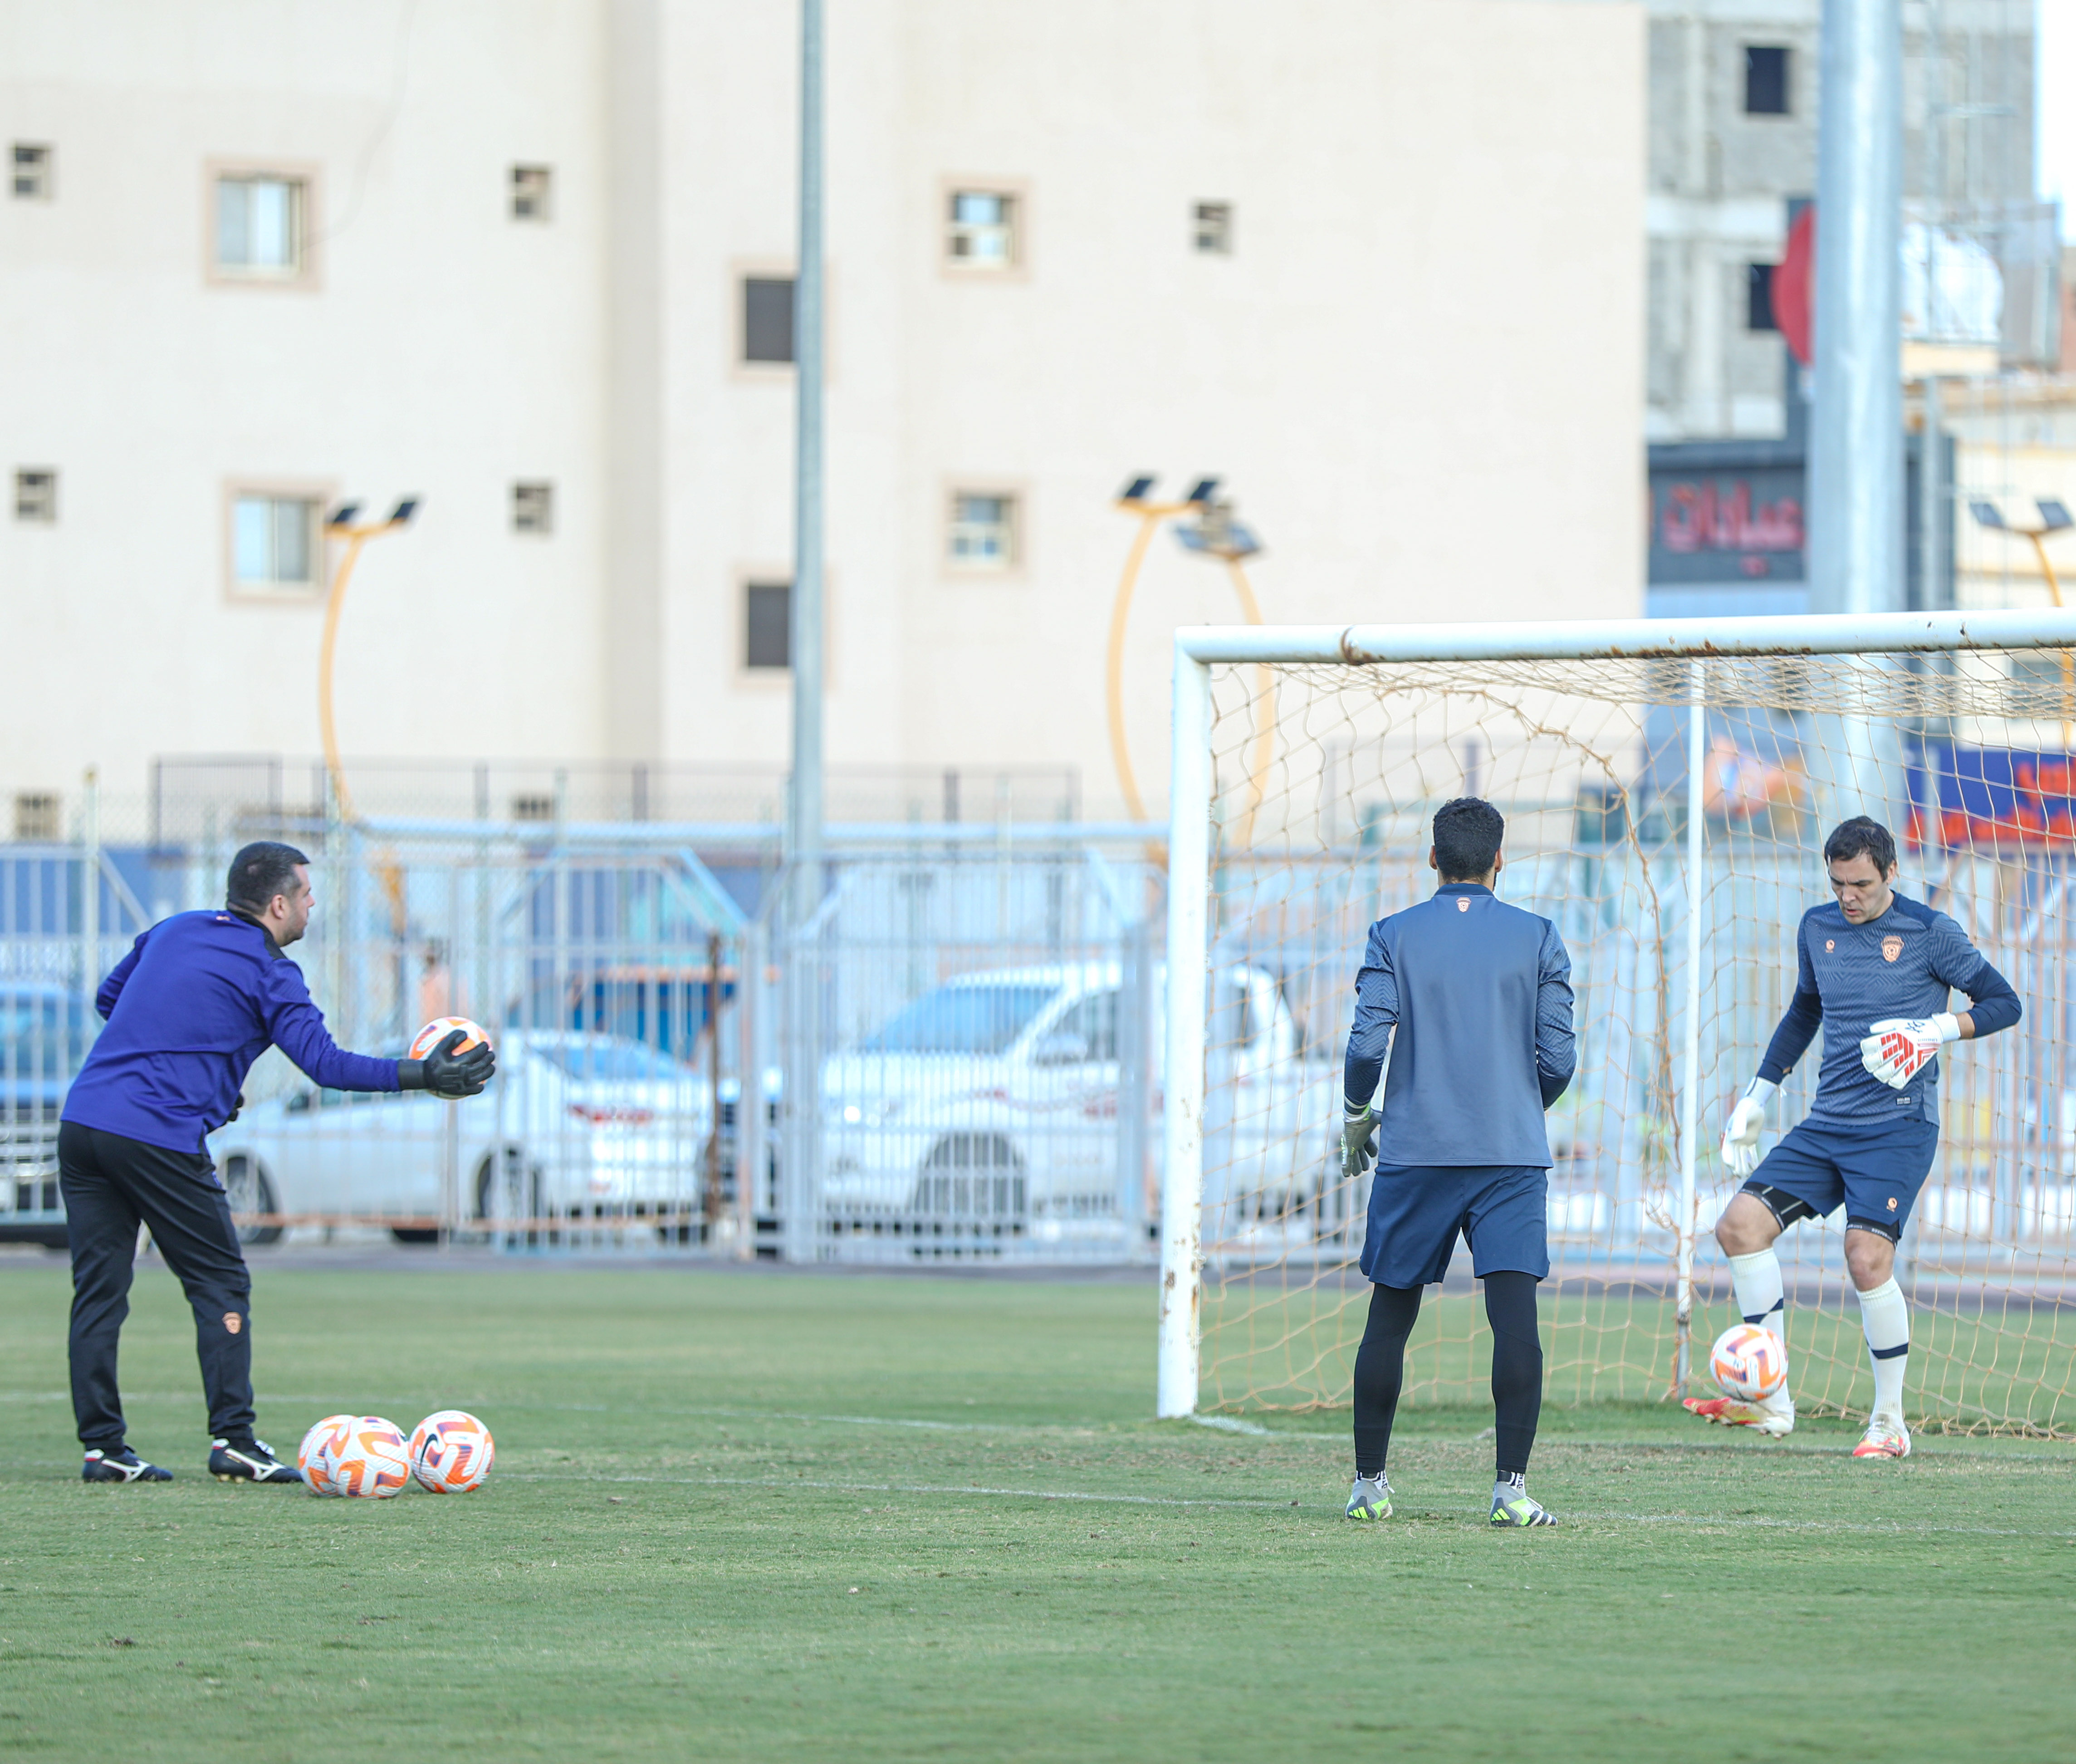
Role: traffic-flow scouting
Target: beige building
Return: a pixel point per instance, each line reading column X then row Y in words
column 1378, row 264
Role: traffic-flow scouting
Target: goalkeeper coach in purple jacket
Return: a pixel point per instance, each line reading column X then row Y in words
column 197, row 999
column 1471, row 1001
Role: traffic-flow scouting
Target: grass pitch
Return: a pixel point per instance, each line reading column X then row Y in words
column 754, row 1514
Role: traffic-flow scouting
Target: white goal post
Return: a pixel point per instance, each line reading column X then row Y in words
column 1672, row 664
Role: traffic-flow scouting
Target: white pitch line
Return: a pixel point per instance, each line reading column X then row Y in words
column 907, row 1488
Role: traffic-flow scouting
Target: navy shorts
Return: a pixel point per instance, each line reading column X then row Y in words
column 1418, row 1210
column 1875, row 1170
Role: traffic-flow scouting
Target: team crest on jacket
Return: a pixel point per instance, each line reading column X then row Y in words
column 1892, row 948
column 1463, row 906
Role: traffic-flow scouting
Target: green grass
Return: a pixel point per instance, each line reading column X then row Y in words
column 709, row 1535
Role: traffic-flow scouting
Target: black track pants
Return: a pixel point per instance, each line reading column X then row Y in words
column 112, row 1184
column 1517, row 1370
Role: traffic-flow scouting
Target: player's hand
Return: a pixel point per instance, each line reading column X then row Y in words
column 1358, row 1141
column 446, row 1073
column 1747, row 1120
column 1897, row 1048
column 235, row 1106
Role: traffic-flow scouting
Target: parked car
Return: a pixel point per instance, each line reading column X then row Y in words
column 44, row 1037
column 993, row 1102
column 576, row 1125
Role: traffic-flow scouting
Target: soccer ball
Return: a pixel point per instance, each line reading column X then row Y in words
column 313, row 1457
column 1748, row 1362
column 439, row 1029
column 452, row 1452
column 371, row 1458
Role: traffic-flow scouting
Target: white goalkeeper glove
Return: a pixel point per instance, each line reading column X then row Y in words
column 1897, row 1048
column 1741, row 1132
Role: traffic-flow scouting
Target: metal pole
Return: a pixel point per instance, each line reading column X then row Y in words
column 1690, row 1075
column 89, row 892
column 804, row 805
column 1182, row 1185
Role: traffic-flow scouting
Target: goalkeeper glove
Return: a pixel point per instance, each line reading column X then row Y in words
column 1897, row 1048
column 1741, row 1131
column 1358, row 1141
column 448, row 1073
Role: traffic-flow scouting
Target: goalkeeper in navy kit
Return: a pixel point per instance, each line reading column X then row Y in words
column 1873, row 969
column 1471, row 999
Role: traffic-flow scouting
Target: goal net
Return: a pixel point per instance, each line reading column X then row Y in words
column 1667, row 790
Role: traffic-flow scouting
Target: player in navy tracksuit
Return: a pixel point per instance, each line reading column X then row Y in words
column 1875, row 970
column 1473, row 999
column 197, row 999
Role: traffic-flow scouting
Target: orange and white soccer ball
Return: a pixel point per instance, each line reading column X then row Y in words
column 439, row 1029
column 1748, row 1362
column 313, row 1457
column 452, row 1452
column 372, row 1458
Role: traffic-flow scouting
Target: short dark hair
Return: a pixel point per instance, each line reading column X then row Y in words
column 1862, row 834
column 261, row 871
column 1468, row 832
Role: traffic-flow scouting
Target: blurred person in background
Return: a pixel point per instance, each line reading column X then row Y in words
column 200, row 997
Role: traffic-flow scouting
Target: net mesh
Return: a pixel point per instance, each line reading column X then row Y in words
column 1326, row 778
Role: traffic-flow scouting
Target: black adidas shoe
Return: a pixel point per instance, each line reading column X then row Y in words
column 248, row 1460
column 120, row 1465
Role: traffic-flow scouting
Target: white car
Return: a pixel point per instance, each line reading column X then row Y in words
column 575, row 1125
column 991, row 1104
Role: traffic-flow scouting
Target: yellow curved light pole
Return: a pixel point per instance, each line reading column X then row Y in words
column 1151, row 514
column 341, row 526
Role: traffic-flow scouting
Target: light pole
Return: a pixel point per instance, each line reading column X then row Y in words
column 1213, row 532
column 340, row 525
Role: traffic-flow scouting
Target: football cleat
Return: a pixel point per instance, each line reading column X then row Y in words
column 1518, row 1511
column 120, row 1465
column 248, row 1460
column 1886, row 1437
column 1773, row 1417
column 1370, row 1499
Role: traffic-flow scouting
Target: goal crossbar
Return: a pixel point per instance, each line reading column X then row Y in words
column 1197, row 649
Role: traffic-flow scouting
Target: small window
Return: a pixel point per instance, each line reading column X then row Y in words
column 1213, row 229
column 767, row 624
column 983, row 531
column 767, row 318
column 982, row 234
column 273, row 541
column 533, row 508
column 260, row 222
column 533, row 187
column 1765, row 81
column 37, row 495
column 1759, row 297
column 36, row 816
column 32, row 172
column 533, row 806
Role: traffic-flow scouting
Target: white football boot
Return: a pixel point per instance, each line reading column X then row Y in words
column 1772, row 1416
column 1886, row 1437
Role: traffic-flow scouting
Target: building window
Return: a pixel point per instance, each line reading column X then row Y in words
column 767, row 318
column 533, row 508
column 1759, row 297
column 1765, row 81
column 259, row 226
column 32, row 172
column 532, row 186
column 983, row 530
column 37, row 495
column 767, row 624
column 273, row 541
column 36, row 816
column 1213, row 229
column 983, row 233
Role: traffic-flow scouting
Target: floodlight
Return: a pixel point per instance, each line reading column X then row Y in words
column 403, row 511
column 1202, row 490
column 1986, row 514
column 343, row 514
column 1138, row 490
column 2054, row 514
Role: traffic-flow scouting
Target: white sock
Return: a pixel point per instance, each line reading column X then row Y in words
column 1761, row 1299
column 1885, row 1316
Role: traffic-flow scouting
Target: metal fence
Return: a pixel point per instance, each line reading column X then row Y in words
column 951, row 1061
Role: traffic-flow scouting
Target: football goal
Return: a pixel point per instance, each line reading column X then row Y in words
column 1667, row 786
